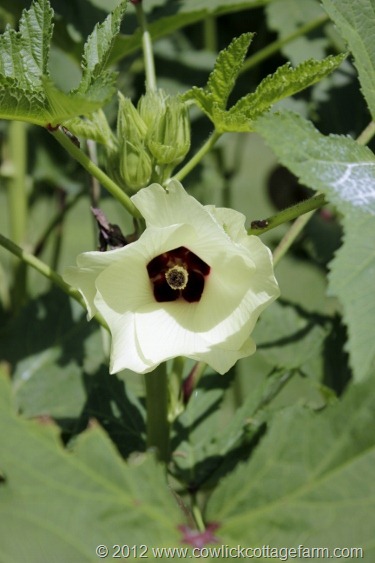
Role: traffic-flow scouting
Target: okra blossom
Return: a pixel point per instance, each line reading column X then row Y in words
column 193, row 284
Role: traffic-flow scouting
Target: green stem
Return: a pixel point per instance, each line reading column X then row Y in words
column 275, row 47
column 46, row 271
column 367, row 134
column 291, row 235
column 189, row 166
column 210, row 34
column 17, row 204
column 157, row 411
column 76, row 153
column 148, row 54
column 17, row 183
column 289, row 214
column 197, row 514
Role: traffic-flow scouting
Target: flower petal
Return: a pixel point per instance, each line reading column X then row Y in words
column 124, row 287
column 83, row 277
column 164, row 333
column 222, row 359
column 233, row 222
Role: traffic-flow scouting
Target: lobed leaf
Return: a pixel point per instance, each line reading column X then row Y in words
column 308, row 482
column 36, row 32
column 98, row 48
column 226, row 70
column 60, row 371
column 345, row 172
column 55, row 492
column 286, row 81
column 356, row 22
column 26, row 91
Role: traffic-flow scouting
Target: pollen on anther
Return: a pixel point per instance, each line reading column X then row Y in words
column 177, row 277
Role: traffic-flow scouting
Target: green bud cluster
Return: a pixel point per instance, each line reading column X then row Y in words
column 151, row 140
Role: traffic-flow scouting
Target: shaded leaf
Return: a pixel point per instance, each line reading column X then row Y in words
column 195, row 431
column 308, row 482
column 53, row 493
column 60, row 371
column 288, row 337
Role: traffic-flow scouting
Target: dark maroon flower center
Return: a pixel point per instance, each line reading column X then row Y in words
column 178, row 273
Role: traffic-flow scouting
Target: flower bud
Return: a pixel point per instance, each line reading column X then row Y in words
column 130, row 125
column 151, row 106
column 135, row 166
column 169, row 137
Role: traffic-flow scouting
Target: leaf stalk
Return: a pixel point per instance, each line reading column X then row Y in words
column 76, row 153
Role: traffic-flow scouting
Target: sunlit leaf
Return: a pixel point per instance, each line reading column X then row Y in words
column 345, row 172
column 356, row 22
column 286, row 81
column 26, row 90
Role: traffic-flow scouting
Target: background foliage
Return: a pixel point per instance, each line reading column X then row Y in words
column 281, row 450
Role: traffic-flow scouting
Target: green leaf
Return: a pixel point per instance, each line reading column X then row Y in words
column 345, row 172
column 26, row 91
column 356, row 21
column 288, row 337
column 53, row 493
column 223, row 77
column 286, row 81
column 60, row 371
column 308, row 482
column 97, row 50
column 195, row 439
column 227, row 67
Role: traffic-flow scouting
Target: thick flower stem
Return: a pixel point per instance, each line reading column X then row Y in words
column 157, row 411
column 76, row 153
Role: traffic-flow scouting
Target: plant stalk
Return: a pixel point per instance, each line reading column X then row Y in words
column 17, row 204
column 47, row 272
column 192, row 163
column 261, row 226
column 157, row 411
column 148, row 54
column 76, row 153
